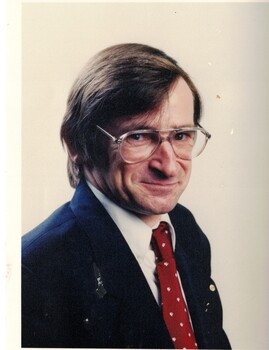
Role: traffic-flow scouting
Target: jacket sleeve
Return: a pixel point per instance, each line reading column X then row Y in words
column 44, row 311
column 194, row 262
column 48, row 271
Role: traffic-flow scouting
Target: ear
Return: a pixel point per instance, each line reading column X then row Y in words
column 71, row 152
column 73, row 156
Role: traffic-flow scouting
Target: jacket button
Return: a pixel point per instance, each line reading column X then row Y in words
column 212, row 288
column 86, row 323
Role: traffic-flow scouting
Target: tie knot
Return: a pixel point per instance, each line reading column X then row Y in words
column 162, row 242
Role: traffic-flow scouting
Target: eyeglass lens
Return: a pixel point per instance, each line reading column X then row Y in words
column 138, row 146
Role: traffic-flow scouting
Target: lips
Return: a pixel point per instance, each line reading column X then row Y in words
column 160, row 186
column 160, row 183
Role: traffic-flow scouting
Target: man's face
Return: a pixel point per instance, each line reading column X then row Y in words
column 153, row 186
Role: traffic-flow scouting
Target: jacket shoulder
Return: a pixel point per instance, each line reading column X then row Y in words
column 186, row 226
column 53, row 227
column 53, row 241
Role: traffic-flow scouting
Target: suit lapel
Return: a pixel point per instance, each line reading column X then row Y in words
column 191, row 272
column 141, row 322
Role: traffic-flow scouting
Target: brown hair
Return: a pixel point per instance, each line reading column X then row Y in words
column 121, row 81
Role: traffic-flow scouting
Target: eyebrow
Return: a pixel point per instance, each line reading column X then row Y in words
column 183, row 126
column 129, row 128
column 148, row 127
column 144, row 125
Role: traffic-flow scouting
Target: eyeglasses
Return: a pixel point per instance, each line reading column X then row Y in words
column 138, row 145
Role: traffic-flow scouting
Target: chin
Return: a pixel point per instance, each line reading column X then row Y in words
column 160, row 208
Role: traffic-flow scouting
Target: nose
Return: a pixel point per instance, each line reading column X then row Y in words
column 164, row 160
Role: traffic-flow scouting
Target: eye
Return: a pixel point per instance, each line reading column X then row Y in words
column 136, row 137
column 179, row 136
column 139, row 139
column 184, row 135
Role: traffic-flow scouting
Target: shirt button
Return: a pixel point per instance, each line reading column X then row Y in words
column 212, row 287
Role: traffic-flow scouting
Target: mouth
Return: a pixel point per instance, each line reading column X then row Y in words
column 160, row 185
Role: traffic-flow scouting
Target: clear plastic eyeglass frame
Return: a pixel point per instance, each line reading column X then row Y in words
column 120, row 140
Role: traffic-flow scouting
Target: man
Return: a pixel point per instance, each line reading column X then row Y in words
column 95, row 273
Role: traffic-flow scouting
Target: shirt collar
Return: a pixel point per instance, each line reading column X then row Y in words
column 136, row 233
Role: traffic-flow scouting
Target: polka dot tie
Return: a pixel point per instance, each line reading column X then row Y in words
column 174, row 309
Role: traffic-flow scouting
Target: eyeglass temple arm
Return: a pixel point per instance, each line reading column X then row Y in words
column 108, row 134
column 207, row 134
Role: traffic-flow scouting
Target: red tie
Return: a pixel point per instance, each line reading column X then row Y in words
column 174, row 309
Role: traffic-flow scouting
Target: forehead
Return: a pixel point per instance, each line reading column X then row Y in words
column 176, row 110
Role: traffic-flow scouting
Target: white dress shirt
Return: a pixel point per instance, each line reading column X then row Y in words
column 138, row 237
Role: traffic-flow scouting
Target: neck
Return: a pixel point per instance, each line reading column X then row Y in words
column 150, row 220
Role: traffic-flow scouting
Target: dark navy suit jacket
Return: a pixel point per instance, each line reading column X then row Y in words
column 82, row 286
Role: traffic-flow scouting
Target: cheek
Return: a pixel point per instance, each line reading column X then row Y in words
column 119, row 174
column 126, row 177
column 188, row 174
column 136, row 172
column 186, row 166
